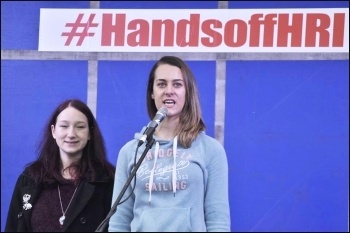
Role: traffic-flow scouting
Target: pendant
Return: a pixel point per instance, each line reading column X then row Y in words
column 62, row 219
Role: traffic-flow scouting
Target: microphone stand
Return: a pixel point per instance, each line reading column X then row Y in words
column 104, row 223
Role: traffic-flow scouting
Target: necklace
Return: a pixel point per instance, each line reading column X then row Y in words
column 63, row 217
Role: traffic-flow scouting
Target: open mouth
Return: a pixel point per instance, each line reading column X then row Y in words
column 169, row 102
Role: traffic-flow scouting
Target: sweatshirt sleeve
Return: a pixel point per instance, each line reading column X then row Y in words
column 217, row 209
column 121, row 219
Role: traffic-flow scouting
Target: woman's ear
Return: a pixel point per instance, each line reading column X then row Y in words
column 53, row 131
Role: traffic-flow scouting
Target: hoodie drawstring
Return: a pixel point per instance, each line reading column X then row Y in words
column 150, row 182
column 174, row 165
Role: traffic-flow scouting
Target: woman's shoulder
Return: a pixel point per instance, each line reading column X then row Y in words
column 212, row 149
column 210, row 145
column 208, row 140
column 24, row 179
column 129, row 146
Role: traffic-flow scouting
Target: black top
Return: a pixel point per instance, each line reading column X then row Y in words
column 34, row 208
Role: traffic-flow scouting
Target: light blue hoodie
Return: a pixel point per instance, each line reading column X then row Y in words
column 200, row 201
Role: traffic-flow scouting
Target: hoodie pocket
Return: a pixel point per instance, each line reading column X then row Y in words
column 165, row 219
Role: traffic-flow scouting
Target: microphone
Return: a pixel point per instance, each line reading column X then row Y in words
column 159, row 117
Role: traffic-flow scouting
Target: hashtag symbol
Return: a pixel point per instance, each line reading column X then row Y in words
column 76, row 25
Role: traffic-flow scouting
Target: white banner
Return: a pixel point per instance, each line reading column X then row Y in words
column 195, row 30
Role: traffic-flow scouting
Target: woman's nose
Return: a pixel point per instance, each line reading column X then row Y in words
column 169, row 90
column 71, row 131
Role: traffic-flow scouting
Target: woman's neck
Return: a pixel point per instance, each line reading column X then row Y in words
column 166, row 130
column 68, row 173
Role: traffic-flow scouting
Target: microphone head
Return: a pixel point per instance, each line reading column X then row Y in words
column 163, row 111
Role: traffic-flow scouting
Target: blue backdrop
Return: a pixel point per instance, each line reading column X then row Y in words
column 286, row 122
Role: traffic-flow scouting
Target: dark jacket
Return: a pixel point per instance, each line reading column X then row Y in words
column 88, row 209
